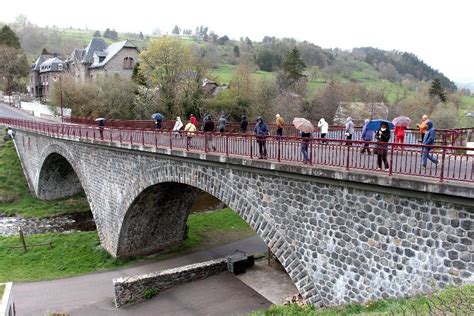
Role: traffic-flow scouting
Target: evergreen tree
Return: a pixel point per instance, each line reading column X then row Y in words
column 45, row 51
column 137, row 75
column 141, row 35
column 114, row 35
column 293, row 66
column 9, row 38
column 176, row 30
column 236, row 51
column 97, row 34
column 437, row 91
column 107, row 33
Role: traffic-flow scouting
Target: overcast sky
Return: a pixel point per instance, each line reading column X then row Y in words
column 439, row 32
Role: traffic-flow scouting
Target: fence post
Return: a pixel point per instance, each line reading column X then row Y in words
column 143, row 138
column 227, row 145
column 171, row 140
column 279, row 149
column 310, row 148
column 348, row 156
column 390, row 167
column 443, row 155
column 205, row 142
column 251, row 147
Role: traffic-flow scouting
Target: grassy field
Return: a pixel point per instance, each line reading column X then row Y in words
column 451, row 301
column 80, row 252
column 16, row 198
column 466, row 106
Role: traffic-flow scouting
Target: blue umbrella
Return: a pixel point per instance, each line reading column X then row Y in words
column 374, row 125
column 157, row 116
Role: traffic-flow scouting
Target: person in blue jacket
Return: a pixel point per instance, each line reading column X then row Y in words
column 428, row 139
column 368, row 136
column 261, row 132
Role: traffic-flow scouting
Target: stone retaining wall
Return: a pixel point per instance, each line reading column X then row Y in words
column 130, row 290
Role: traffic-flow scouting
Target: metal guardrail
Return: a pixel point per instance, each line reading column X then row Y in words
column 455, row 162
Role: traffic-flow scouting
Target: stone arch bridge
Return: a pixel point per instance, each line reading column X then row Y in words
column 341, row 236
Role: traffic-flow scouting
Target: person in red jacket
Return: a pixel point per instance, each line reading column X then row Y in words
column 399, row 134
column 193, row 120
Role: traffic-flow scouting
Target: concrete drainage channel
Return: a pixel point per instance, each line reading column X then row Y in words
column 131, row 290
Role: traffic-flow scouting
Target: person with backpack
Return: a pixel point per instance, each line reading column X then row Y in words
column 222, row 122
column 261, row 132
column 381, row 149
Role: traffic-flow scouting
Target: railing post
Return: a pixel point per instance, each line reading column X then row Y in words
column 310, row 148
column 441, row 175
column 390, row 167
column 278, row 149
column 143, row 138
column 251, row 147
column 205, row 142
column 348, row 156
column 171, row 139
column 227, row 145
column 120, row 136
column 156, row 139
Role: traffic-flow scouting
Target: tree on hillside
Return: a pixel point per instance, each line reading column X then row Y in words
column 293, row 68
column 107, row 33
column 176, row 30
column 140, row 36
column 437, row 91
column 45, row 51
column 326, row 102
column 114, row 35
column 97, row 34
column 13, row 67
column 9, row 38
column 137, row 76
column 169, row 65
column 236, row 51
column 222, row 40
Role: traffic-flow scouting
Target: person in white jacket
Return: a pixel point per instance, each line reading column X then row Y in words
column 324, row 127
column 177, row 126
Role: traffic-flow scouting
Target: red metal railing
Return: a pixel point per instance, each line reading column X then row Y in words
column 455, row 163
column 454, row 137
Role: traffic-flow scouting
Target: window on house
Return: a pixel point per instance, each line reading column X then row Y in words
column 60, row 67
column 128, row 63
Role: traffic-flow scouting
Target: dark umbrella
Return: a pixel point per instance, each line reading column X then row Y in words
column 374, row 125
column 157, row 116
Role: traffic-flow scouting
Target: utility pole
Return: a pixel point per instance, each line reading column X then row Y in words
column 61, row 95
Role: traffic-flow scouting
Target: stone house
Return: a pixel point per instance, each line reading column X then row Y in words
column 99, row 59
column 45, row 70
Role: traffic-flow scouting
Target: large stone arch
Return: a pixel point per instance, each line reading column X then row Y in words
column 58, row 176
column 135, row 218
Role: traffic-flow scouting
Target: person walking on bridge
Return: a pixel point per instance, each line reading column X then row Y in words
column 177, row 126
column 190, row 129
column 261, row 132
column 349, row 130
column 222, row 122
column 367, row 136
column 280, row 122
column 429, row 139
column 244, row 124
column 423, row 126
column 208, row 129
column 193, row 120
column 381, row 149
column 304, row 146
column 324, row 128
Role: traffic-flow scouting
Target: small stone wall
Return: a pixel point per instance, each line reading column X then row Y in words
column 130, row 290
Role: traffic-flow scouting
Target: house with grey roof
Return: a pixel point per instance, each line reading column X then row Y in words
column 99, row 59
column 44, row 71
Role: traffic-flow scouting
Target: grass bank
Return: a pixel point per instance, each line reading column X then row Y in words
column 15, row 196
column 79, row 253
column 451, row 301
column 2, row 288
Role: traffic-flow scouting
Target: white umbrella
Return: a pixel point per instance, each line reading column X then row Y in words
column 100, row 119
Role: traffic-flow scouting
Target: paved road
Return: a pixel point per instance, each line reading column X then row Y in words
column 92, row 294
column 12, row 112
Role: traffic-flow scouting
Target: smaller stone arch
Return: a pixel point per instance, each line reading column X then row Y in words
column 57, row 178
